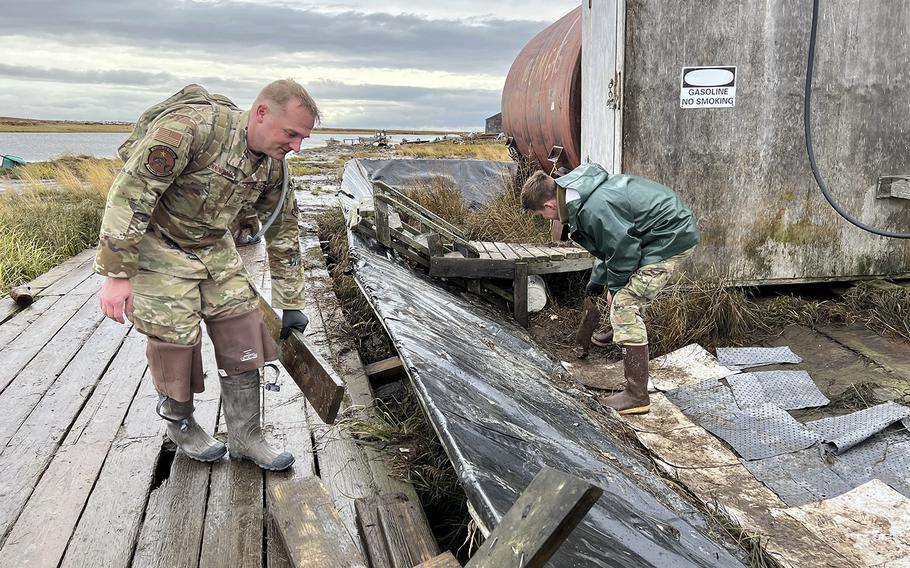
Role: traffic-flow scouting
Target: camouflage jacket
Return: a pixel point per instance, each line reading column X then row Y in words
column 165, row 214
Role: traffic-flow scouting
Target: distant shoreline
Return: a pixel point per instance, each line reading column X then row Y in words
column 10, row 124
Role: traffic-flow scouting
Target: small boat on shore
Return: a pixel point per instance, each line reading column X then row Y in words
column 8, row 162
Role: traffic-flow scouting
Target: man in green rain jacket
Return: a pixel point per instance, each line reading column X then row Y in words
column 639, row 232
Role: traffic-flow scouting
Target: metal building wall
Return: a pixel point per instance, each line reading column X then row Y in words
column 744, row 170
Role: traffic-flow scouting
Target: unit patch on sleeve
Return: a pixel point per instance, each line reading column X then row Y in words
column 161, row 160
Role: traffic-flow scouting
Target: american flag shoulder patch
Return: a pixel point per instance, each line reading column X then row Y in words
column 168, row 136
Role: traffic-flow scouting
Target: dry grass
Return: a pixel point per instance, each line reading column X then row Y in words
column 485, row 150
column 415, row 455
column 45, row 223
column 365, row 329
column 501, row 219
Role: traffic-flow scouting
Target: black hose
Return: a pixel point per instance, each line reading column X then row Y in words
column 807, row 97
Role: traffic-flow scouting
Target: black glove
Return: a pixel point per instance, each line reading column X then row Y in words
column 594, row 289
column 292, row 319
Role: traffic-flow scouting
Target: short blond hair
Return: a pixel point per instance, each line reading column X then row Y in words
column 282, row 91
column 539, row 189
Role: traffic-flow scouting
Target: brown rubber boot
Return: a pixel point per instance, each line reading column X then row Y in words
column 634, row 398
column 602, row 338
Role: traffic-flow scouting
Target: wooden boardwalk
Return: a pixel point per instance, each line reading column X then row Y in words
column 86, row 477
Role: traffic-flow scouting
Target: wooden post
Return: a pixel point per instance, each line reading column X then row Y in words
column 538, row 522
column 520, row 293
column 383, row 233
column 434, row 244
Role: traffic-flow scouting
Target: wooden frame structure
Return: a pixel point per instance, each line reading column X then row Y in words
column 404, row 226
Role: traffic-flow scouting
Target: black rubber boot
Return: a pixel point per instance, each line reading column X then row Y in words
column 634, row 398
column 240, row 395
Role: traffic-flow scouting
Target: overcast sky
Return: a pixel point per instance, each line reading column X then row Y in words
column 378, row 63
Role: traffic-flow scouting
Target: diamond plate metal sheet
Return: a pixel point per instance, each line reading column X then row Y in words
column 790, row 390
column 840, row 433
column 758, row 432
column 744, row 357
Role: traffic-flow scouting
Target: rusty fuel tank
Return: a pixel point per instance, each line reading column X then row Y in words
column 541, row 100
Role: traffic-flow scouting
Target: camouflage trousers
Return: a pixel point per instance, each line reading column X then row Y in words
column 170, row 308
column 627, row 310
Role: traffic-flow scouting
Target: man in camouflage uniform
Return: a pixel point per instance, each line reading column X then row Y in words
column 639, row 232
column 170, row 261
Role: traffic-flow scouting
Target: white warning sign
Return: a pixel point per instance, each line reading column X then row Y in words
column 708, row 87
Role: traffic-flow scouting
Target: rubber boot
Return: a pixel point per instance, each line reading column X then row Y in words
column 602, row 338
column 184, row 431
column 634, row 398
column 240, row 397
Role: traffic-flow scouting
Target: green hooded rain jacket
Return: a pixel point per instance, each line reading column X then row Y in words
column 625, row 221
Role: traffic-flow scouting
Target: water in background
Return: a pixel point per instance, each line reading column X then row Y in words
column 40, row 146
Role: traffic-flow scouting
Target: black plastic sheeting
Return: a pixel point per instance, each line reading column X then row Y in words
column 478, row 180
column 488, row 392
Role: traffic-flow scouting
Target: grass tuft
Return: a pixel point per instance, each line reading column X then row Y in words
column 402, row 432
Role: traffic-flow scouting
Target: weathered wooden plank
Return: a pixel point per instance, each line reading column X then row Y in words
column 520, row 293
column 8, row 308
column 29, row 451
column 457, row 267
column 372, row 541
column 385, row 370
column 17, row 353
column 506, row 251
column 118, row 499
column 106, row 532
column 492, row 250
column 233, row 517
column 41, row 534
column 309, row 526
column 171, row 534
column 556, row 266
column 66, row 283
column 444, row 560
column 407, row 533
column 26, row 294
column 381, row 219
column 555, row 253
column 523, row 252
column 26, row 390
column 394, row 532
column 316, row 379
column 532, row 530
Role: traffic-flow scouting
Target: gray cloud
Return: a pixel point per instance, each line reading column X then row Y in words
column 251, row 30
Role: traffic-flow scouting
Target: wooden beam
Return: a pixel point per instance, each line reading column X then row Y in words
column 394, row 531
column 444, row 560
column 310, row 527
column 538, row 522
column 316, row 379
column 385, row 370
column 520, row 293
column 460, row 267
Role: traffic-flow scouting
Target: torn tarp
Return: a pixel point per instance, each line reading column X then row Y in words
column 487, row 389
